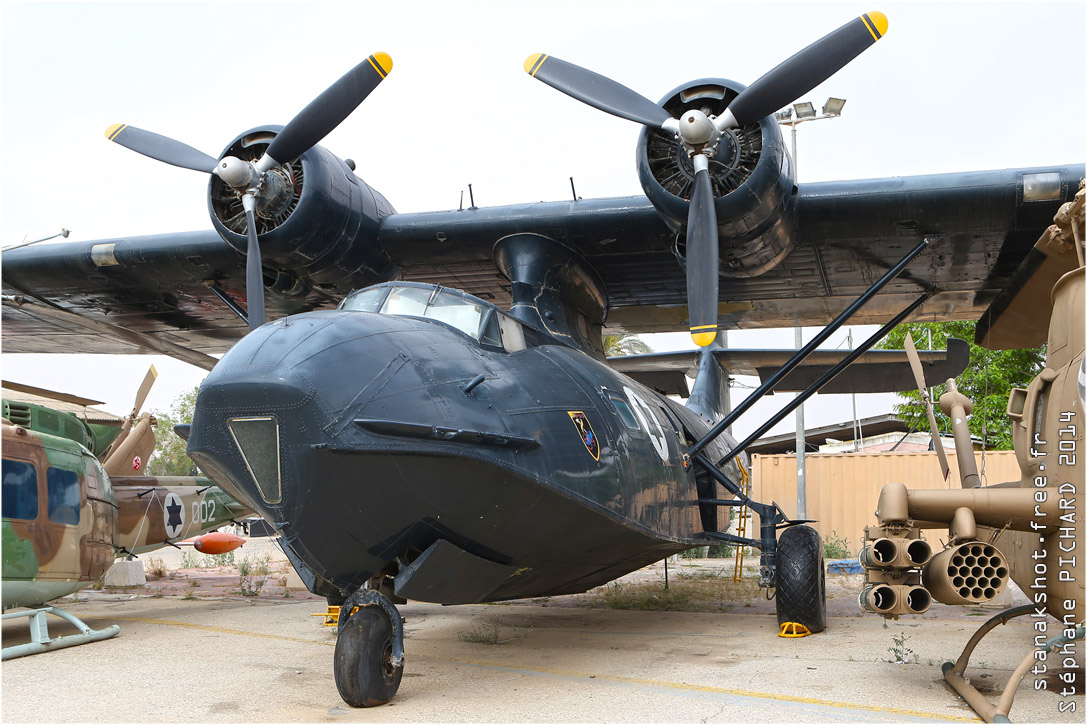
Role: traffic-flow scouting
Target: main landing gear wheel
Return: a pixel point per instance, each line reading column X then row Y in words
column 801, row 579
column 363, row 664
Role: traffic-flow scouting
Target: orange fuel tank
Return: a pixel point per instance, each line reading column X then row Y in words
column 217, row 542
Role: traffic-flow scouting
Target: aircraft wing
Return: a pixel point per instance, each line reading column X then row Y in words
column 876, row 371
column 173, row 292
column 848, row 234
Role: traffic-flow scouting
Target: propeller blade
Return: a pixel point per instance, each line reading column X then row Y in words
column 145, row 388
column 327, row 111
column 919, row 377
column 595, row 90
column 702, row 257
column 254, row 275
column 161, row 148
column 805, row 70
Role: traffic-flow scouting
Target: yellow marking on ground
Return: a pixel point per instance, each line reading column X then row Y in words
column 734, row 691
column 219, row 630
column 684, row 686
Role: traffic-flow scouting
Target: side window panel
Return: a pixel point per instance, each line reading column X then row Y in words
column 625, row 413
column 63, row 496
column 20, row 486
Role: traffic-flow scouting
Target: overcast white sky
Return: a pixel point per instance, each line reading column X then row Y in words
column 952, row 87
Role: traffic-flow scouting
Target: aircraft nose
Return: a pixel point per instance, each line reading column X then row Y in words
column 276, row 390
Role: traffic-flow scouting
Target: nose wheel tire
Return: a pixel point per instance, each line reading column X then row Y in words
column 801, row 579
column 365, row 675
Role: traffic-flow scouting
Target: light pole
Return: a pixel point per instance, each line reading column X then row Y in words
column 792, row 117
column 801, row 113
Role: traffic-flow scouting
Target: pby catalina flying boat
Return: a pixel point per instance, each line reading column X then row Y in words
column 418, row 441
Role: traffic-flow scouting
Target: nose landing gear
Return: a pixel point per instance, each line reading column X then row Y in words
column 369, row 657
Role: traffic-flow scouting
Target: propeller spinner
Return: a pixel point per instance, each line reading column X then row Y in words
column 700, row 134
column 304, row 131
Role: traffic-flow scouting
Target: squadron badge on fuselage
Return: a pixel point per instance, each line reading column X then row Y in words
column 588, row 435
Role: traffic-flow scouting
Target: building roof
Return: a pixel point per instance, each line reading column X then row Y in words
column 79, row 407
column 815, row 437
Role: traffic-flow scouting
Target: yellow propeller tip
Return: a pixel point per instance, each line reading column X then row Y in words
column 702, row 339
column 533, row 61
column 115, row 129
column 384, row 61
column 879, row 22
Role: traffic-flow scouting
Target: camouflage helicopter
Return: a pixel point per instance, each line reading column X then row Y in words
column 75, row 498
column 1028, row 531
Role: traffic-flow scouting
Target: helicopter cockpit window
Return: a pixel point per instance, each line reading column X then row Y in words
column 63, row 486
column 20, row 490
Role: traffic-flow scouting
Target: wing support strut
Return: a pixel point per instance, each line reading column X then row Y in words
column 803, row 353
column 771, row 517
column 812, row 389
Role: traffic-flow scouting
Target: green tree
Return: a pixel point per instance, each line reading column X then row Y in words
column 616, row 345
column 169, row 458
column 987, row 380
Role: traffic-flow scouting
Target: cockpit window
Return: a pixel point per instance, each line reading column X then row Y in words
column 477, row 319
column 368, row 300
column 455, row 311
column 434, row 303
column 411, row 301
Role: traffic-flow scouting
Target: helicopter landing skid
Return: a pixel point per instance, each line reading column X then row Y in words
column 39, row 632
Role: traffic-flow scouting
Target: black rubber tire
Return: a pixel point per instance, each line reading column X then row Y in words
column 364, row 645
column 801, row 578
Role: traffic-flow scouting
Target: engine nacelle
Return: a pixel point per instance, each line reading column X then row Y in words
column 752, row 175
column 317, row 223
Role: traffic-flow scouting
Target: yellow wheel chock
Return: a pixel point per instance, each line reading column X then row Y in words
column 332, row 616
column 793, row 629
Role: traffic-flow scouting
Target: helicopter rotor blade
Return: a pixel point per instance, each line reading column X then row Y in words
column 919, row 378
column 145, row 388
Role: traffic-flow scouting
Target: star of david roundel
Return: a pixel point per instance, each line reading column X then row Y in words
column 173, row 515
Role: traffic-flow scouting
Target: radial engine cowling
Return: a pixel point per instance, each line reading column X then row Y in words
column 752, row 176
column 316, row 221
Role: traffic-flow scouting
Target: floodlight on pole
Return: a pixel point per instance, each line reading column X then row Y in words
column 804, row 110
column 833, row 107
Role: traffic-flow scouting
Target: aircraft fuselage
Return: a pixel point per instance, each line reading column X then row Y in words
column 481, row 463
